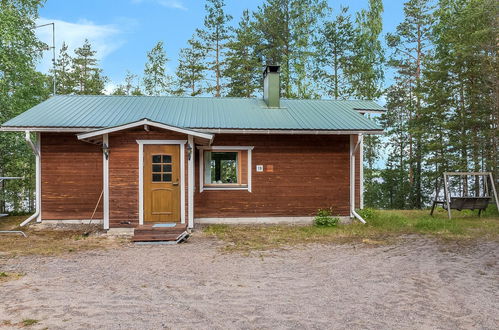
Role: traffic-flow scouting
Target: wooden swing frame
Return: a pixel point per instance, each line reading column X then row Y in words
column 465, row 202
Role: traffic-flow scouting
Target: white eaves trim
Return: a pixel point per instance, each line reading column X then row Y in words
column 287, row 131
column 85, row 130
column 144, row 122
column 47, row 129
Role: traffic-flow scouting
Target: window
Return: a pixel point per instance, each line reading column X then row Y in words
column 225, row 168
column 161, row 168
column 221, row 167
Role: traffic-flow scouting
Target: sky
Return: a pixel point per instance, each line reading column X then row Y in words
column 123, row 31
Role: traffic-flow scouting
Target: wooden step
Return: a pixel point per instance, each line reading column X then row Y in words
column 149, row 233
column 154, row 231
column 150, row 237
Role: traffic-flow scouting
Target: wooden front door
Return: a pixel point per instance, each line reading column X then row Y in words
column 161, row 183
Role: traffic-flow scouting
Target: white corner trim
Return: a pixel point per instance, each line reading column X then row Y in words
column 141, row 183
column 353, row 150
column 249, row 149
column 181, row 143
column 249, row 168
column 190, row 183
column 38, row 176
column 142, row 122
column 201, row 170
column 105, row 182
column 182, row 183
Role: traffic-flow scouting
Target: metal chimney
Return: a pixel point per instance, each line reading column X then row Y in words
column 272, row 86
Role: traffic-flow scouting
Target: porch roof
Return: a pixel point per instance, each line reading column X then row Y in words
column 91, row 135
column 80, row 113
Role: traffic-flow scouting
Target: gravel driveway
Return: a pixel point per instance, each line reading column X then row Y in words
column 415, row 284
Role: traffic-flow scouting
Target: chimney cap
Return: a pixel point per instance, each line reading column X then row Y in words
column 271, row 68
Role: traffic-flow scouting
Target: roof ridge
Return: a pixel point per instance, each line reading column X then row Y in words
column 208, row 97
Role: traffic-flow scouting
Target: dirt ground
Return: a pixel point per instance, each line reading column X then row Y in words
column 415, row 284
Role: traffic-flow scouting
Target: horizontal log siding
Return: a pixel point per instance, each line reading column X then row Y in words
column 309, row 172
column 124, row 174
column 71, row 177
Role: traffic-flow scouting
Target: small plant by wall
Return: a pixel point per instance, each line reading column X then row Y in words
column 324, row 218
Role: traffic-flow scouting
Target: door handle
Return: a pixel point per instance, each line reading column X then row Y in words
column 175, row 183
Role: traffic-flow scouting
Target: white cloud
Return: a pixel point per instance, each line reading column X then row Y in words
column 104, row 38
column 175, row 4
column 110, row 87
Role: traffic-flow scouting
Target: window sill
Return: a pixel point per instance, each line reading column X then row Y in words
column 225, row 187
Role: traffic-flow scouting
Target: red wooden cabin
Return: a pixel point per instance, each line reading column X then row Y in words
column 136, row 160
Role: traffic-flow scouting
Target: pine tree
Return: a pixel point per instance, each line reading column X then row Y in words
column 306, row 18
column 410, row 45
column 21, row 87
column 243, row 69
column 156, row 79
column 191, row 69
column 128, row 87
column 272, row 23
column 215, row 36
column 368, row 60
column 395, row 178
column 464, row 70
column 65, row 83
column 366, row 73
column 334, row 49
column 287, row 29
column 87, row 76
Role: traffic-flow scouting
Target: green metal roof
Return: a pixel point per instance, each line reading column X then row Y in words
column 75, row 111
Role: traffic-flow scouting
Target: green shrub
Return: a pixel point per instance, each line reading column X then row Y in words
column 324, row 218
column 368, row 214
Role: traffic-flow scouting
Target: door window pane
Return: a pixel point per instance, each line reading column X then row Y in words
column 161, row 168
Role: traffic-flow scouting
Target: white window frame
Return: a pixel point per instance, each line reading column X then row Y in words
column 223, row 148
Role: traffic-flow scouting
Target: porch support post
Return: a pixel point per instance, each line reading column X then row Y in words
column 352, row 175
column 38, row 177
column 190, row 180
column 105, row 181
column 361, row 170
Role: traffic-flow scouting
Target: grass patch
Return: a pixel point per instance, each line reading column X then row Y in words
column 383, row 227
column 50, row 241
column 29, row 322
column 6, row 276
